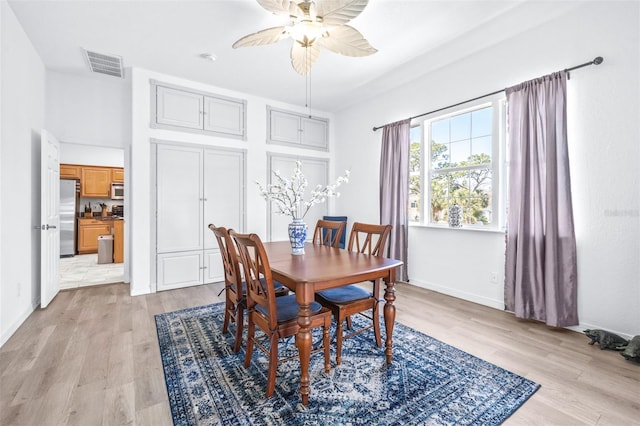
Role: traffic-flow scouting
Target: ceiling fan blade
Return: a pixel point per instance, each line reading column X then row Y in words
column 302, row 58
column 261, row 38
column 336, row 12
column 347, row 41
column 278, row 7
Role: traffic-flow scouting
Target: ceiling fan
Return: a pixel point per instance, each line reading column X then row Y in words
column 313, row 25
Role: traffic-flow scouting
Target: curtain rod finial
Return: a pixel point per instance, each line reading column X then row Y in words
column 598, row 60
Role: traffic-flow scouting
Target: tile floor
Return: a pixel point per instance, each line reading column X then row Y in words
column 83, row 270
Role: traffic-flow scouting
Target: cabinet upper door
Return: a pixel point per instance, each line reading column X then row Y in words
column 284, row 127
column 193, row 111
column 179, row 198
column 224, row 116
column 291, row 128
column 95, row 182
column 69, row 171
column 314, row 133
column 179, row 108
column 117, row 175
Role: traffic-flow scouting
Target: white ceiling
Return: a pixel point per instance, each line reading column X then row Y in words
column 412, row 37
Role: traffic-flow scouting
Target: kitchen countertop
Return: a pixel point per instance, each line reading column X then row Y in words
column 103, row 218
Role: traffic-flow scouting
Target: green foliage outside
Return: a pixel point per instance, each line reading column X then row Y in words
column 459, row 183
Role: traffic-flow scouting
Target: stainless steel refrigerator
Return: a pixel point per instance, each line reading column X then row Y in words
column 68, row 209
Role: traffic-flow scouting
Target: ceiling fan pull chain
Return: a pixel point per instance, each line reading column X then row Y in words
column 308, row 83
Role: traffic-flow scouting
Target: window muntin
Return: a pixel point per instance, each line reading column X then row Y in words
column 460, row 164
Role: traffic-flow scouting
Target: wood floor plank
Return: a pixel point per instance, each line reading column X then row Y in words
column 92, row 357
column 119, row 405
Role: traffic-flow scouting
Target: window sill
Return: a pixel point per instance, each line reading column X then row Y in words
column 467, row 228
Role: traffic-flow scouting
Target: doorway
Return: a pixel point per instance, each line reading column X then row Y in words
column 82, row 270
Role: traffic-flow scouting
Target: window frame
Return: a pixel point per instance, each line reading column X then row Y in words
column 499, row 165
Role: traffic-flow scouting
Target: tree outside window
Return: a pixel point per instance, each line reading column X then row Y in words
column 460, row 167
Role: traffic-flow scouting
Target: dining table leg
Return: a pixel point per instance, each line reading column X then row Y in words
column 389, row 313
column 303, row 341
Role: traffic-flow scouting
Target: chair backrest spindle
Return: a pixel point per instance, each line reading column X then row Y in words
column 375, row 238
column 257, row 273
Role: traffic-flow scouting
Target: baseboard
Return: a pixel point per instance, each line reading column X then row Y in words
column 583, row 326
column 499, row 304
column 6, row 335
column 481, row 300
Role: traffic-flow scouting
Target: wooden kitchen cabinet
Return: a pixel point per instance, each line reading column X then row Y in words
column 118, row 241
column 69, row 171
column 95, row 182
column 117, row 174
column 88, row 231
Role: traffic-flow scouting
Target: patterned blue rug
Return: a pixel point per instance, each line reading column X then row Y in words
column 428, row 383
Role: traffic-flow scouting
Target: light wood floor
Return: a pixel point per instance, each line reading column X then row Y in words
column 92, row 358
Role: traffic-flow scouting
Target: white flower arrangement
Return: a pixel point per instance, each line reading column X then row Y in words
column 288, row 194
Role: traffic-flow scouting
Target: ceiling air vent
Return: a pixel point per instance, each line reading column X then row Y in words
column 104, row 64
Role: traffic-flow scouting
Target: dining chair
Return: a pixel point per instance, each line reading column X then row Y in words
column 328, row 232
column 339, row 219
column 277, row 317
column 234, row 286
column 352, row 299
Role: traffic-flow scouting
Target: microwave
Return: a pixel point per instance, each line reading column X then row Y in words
column 117, row 191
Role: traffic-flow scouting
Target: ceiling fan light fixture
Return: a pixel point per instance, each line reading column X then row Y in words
column 306, row 32
column 313, row 26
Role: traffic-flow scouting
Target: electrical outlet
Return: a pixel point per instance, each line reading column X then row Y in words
column 493, row 277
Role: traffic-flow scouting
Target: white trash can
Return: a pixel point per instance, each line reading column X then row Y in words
column 105, row 248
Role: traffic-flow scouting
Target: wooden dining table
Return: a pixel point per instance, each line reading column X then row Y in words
column 321, row 268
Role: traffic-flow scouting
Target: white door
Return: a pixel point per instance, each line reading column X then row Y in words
column 316, row 170
column 179, row 199
column 49, row 218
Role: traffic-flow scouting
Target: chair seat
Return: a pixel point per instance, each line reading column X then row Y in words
column 346, row 294
column 287, row 308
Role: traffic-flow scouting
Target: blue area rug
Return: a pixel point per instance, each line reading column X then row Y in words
column 428, row 382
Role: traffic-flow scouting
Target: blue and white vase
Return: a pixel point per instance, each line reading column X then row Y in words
column 455, row 216
column 297, row 236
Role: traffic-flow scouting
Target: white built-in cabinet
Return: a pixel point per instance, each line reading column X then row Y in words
column 316, row 170
column 181, row 109
column 295, row 129
column 195, row 187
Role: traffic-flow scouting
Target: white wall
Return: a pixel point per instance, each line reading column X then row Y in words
column 74, row 153
column 23, row 99
column 140, row 206
column 603, row 115
column 89, row 109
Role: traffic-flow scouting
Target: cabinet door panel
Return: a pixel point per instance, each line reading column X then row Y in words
column 117, row 175
column 88, row 237
column 179, row 199
column 176, row 270
column 224, row 116
column 179, row 108
column 284, row 127
column 69, row 171
column 224, row 173
column 95, row 182
column 314, row 133
column 214, row 270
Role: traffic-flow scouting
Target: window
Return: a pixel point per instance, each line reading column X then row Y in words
column 455, row 158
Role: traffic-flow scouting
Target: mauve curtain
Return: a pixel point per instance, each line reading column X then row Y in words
column 541, row 267
column 394, row 189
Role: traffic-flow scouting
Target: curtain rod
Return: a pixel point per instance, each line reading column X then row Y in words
column 597, row 61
